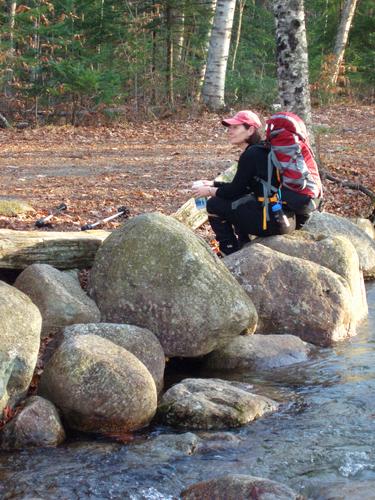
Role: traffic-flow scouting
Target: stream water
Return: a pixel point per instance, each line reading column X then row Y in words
column 321, row 443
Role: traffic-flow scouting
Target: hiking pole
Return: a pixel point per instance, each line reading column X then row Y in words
column 121, row 212
column 44, row 221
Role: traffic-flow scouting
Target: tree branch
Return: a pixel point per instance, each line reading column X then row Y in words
column 351, row 185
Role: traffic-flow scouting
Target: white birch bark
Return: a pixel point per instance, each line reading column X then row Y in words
column 12, row 16
column 214, row 80
column 342, row 37
column 205, row 46
column 180, row 30
column 292, row 58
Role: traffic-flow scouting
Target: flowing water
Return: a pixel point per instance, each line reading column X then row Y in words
column 321, row 442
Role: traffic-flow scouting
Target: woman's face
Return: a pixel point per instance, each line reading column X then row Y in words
column 238, row 134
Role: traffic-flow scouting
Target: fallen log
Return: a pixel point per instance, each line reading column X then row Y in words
column 193, row 217
column 63, row 250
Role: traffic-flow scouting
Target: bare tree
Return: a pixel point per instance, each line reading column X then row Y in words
column 292, row 59
column 342, row 37
column 214, row 80
column 241, row 7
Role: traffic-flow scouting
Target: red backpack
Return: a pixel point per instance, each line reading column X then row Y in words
column 291, row 155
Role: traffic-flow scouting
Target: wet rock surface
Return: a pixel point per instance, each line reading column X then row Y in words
column 259, row 352
column 38, row 424
column 212, row 404
column 239, row 487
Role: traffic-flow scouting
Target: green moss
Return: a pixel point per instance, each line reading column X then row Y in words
column 12, row 208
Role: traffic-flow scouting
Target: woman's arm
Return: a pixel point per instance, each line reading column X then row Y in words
column 241, row 181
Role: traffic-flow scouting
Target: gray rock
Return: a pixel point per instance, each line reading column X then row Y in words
column 166, row 447
column 336, row 253
column 139, row 341
column 99, row 386
column 58, row 296
column 155, row 273
column 366, row 225
column 334, row 225
column 37, row 425
column 20, row 326
column 293, row 295
column 354, row 490
column 239, row 487
column 258, row 352
column 212, row 404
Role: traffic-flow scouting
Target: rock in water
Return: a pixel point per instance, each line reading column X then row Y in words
column 37, row 425
column 212, row 404
column 239, row 487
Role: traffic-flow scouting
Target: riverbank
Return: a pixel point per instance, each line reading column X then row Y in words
column 321, row 444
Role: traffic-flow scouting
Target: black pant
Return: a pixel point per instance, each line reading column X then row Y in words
column 233, row 223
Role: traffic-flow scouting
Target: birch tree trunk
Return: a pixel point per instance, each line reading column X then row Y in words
column 169, row 72
column 12, row 16
column 342, row 37
column 10, row 55
column 211, row 5
column 214, row 80
column 292, row 59
column 180, row 30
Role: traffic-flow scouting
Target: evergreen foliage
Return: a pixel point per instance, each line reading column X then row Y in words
column 66, row 56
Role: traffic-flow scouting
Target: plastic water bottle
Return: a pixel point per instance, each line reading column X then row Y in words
column 201, row 202
column 281, row 219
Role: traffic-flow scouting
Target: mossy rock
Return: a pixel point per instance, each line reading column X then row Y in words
column 14, row 207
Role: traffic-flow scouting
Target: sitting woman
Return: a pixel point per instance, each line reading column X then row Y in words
column 239, row 209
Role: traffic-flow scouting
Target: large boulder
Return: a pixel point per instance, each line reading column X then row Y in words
column 155, row 273
column 212, row 404
column 334, row 252
column 239, row 487
column 38, row 424
column 139, row 341
column 58, row 296
column 293, row 295
column 99, row 386
column 20, row 326
column 258, row 352
column 334, row 225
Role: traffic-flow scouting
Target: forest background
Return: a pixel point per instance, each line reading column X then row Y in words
column 68, row 58
column 110, row 63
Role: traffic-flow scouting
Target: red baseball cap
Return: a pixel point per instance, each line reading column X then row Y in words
column 243, row 117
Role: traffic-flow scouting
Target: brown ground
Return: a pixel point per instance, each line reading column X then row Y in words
column 149, row 167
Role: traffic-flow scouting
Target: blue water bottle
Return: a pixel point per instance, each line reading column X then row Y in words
column 201, row 202
column 281, row 219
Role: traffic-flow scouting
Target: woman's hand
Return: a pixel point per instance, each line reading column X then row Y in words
column 203, row 191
